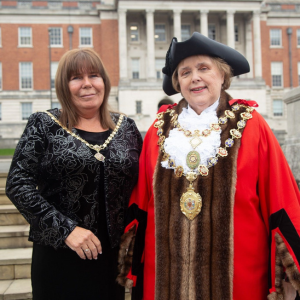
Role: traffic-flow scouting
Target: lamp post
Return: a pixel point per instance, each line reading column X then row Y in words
column 70, row 31
column 50, row 75
column 289, row 32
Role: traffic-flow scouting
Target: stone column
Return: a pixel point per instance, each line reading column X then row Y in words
column 230, row 29
column 123, row 44
column 291, row 146
column 257, row 44
column 150, row 44
column 204, row 22
column 177, row 24
column 248, row 47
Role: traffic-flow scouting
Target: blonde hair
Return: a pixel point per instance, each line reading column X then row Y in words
column 73, row 62
column 223, row 67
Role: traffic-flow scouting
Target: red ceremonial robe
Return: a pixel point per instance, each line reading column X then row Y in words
column 266, row 222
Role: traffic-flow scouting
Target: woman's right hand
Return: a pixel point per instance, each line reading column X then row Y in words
column 84, row 243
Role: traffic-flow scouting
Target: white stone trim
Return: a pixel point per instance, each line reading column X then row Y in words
column 190, row 6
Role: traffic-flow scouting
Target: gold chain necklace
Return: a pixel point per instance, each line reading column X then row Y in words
column 193, row 157
column 97, row 148
column 191, row 202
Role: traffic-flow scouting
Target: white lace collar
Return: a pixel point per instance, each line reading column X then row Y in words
column 209, row 109
column 177, row 144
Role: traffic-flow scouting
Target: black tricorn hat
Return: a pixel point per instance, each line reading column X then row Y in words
column 199, row 44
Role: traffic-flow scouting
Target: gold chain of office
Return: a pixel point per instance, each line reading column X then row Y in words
column 191, row 202
column 97, row 148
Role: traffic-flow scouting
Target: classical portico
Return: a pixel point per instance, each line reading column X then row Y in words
column 146, row 29
column 175, row 10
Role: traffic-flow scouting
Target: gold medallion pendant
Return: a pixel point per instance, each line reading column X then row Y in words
column 190, row 203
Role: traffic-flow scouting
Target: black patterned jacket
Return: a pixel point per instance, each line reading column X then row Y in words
column 54, row 179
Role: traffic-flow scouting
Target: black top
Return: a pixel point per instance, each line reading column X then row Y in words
column 99, row 138
column 79, row 279
column 68, row 177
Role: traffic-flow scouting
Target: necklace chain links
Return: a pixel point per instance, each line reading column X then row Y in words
column 97, row 148
column 191, row 202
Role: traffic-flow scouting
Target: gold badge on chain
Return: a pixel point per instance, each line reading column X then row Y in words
column 191, row 202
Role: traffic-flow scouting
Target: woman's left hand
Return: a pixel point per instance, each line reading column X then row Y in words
column 84, row 243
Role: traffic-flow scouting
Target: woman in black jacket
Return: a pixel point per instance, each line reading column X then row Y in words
column 71, row 178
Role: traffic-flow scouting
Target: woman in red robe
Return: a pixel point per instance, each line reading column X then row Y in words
column 215, row 214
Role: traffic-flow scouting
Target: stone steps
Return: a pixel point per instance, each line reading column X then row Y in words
column 15, row 251
column 15, row 289
column 3, row 177
column 9, row 215
column 3, row 198
column 15, row 263
column 14, row 236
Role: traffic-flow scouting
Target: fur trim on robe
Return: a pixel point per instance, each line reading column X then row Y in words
column 284, row 260
column 125, row 257
column 194, row 259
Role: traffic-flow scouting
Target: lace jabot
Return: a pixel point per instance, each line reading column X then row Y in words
column 177, row 144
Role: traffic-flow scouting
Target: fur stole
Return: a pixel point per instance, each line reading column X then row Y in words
column 194, row 259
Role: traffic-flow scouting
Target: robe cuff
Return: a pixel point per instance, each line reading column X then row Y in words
column 125, row 278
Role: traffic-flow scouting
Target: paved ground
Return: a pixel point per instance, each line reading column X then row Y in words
column 4, row 165
column 127, row 296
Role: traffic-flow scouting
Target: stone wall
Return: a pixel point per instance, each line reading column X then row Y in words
column 291, row 147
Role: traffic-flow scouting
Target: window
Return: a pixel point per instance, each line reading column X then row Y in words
column 134, row 33
column 185, row 32
column 25, row 75
column 299, row 73
column 275, row 37
column 85, row 36
column 138, row 107
column 298, row 37
column 0, row 111
column 55, row 105
column 236, row 33
column 26, row 110
column 135, row 68
column 25, row 36
column 212, row 31
column 54, row 66
column 159, row 64
column 160, row 32
column 276, row 71
column 0, row 76
column 277, row 108
column 56, row 36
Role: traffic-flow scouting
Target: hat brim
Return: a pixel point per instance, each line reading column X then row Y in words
column 199, row 44
column 168, row 86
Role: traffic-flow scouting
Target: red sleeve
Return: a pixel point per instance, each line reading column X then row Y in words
column 279, row 198
column 138, row 205
column 142, row 195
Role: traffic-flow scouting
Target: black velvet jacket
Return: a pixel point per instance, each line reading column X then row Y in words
column 54, row 179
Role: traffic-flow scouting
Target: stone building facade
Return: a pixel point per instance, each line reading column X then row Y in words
column 132, row 37
column 257, row 29
column 28, row 30
column 291, row 147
